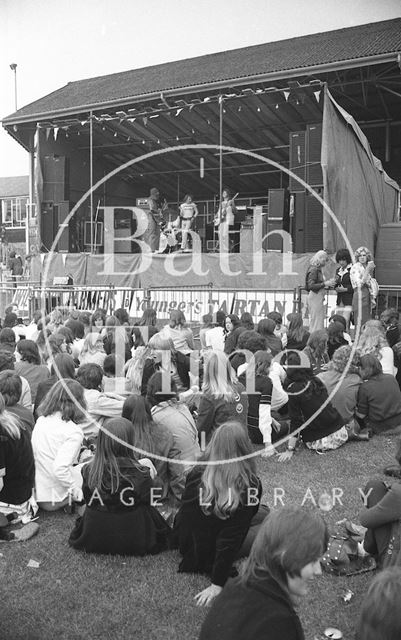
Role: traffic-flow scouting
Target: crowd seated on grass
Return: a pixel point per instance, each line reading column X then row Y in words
column 94, row 405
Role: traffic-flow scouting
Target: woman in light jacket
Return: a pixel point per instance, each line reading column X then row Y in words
column 316, row 284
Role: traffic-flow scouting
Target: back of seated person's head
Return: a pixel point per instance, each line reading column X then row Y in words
column 142, row 334
column 77, row 328
column 7, row 336
column 7, row 359
column 29, row 352
column 90, row 376
column 337, row 317
column 341, row 358
column 335, row 331
column 73, row 314
column 10, row 387
column 63, row 366
column 53, row 345
column 252, row 341
column 380, row 617
column 67, row 334
column 266, row 327
column 370, row 367
column 10, row 320
column 219, row 318
column 137, row 410
column 85, row 318
column 317, row 341
column 66, row 397
column 12, row 308
column 122, row 316
column 177, row 318
column 113, row 366
column 161, row 388
column 207, row 319
column 149, row 318
column 247, row 321
column 276, row 317
column 372, row 325
column 37, row 315
column 390, row 317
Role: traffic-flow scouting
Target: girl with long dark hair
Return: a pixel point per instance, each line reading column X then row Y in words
column 17, row 467
column 119, row 517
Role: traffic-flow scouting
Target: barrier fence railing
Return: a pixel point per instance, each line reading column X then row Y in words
column 194, row 301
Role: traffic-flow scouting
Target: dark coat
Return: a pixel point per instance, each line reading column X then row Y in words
column 253, row 611
column 114, row 526
column 207, row 543
column 344, row 297
column 304, row 401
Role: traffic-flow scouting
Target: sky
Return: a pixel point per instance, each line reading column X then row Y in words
column 57, row 41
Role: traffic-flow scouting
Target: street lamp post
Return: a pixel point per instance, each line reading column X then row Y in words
column 13, row 67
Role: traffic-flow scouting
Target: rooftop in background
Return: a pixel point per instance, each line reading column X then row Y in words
column 14, row 186
column 361, row 44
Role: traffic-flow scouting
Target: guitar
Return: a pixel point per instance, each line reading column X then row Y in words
column 222, row 211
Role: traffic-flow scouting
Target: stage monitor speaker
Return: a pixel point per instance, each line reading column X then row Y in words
column 297, row 159
column 47, row 226
column 55, row 178
column 314, row 174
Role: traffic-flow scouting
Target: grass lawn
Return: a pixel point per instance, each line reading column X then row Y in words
column 72, row 595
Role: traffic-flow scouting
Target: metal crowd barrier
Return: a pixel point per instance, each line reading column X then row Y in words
column 193, row 301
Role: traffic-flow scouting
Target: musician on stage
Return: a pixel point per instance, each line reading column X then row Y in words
column 225, row 219
column 155, row 220
column 188, row 212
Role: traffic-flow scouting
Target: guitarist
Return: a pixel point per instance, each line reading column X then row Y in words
column 225, row 219
column 155, row 220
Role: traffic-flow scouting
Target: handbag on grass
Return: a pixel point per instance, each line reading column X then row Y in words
column 341, row 557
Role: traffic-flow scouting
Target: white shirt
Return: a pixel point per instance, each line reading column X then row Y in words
column 214, row 338
column 56, row 445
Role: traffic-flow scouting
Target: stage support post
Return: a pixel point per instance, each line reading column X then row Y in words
column 91, row 178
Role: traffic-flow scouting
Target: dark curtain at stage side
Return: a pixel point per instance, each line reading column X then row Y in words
column 356, row 188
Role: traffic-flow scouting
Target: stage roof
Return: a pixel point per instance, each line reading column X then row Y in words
column 339, row 49
column 259, row 94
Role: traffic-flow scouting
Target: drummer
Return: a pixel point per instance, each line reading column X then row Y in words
column 188, row 211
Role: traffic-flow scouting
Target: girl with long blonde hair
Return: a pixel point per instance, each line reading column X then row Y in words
column 223, row 397
column 372, row 340
column 219, row 505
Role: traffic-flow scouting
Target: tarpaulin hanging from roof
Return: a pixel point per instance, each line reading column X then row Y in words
column 356, row 188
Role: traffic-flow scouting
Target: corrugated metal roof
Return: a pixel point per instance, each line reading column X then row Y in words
column 330, row 47
column 14, row 186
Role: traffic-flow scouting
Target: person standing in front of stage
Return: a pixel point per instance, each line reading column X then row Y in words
column 315, row 284
column 188, row 211
column 152, row 233
column 343, row 285
column 225, row 220
column 361, row 275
